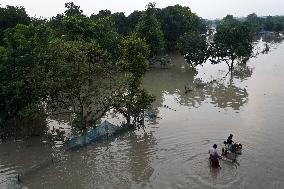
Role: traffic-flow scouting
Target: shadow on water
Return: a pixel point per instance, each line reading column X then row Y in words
column 21, row 157
column 192, row 91
column 129, row 154
column 141, row 151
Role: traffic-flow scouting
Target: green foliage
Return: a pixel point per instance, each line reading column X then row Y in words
column 38, row 21
column 118, row 20
column 275, row 23
column 270, row 23
column 133, row 19
column 133, row 105
column 77, row 27
column 10, row 17
column 73, row 25
column 80, row 27
column 121, row 23
column 176, row 21
column 194, row 47
column 80, row 80
column 185, row 31
column 107, row 37
column 72, row 9
column 134, row 100
column 101, row 14
column 149, row 28
column 22, row 72
column 233, row 40
column 254, row 22
column 68, row 65
column 135, row 53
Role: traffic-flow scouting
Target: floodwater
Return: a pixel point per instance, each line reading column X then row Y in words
column 171, row 152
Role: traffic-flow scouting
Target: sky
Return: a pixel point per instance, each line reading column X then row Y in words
column 208, row 9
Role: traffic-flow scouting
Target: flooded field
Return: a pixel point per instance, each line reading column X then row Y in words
column 171, row 152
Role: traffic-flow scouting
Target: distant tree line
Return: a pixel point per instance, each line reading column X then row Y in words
column 269, row 23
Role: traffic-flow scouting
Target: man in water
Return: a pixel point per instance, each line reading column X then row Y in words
column 230, row 139
column 214, row 156
column 231, row 144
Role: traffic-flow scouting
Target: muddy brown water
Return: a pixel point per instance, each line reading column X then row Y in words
column 171, row 152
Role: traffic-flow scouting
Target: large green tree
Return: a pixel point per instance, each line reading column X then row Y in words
column 255, row 22
column 194, row 47
column 176, row 21
column 134, row 100
column 82, row 81
column 74, row 25
column 23, row 73
column 232, row 41
column 70, row 65
column 149, row 28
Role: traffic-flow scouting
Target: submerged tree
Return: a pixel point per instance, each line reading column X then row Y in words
column 85, row 66
column 134, row 100
column 70, row 65
column 23, row 74
column 82, row 81
column 194, row 47
column 232, row 41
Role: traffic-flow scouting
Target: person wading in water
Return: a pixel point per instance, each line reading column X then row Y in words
column 214, row 156
column 231, row 144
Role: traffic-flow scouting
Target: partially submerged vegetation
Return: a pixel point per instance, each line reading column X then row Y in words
column 73, row 65
column 86, row 66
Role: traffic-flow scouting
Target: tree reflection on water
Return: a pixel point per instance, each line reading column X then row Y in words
column 192, row 91
column 141, row 146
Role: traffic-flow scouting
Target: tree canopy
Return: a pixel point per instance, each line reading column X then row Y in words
column 10, row 16
column 149, row 28
column 72, row 64
column 194, row 47
column 22, row 68
column 176, row 21
column 269, row 23
column 135, row 100
column 232, row 41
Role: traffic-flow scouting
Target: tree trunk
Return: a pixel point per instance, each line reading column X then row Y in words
column 128, row 120
column 82, row 120
column 232, row 66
